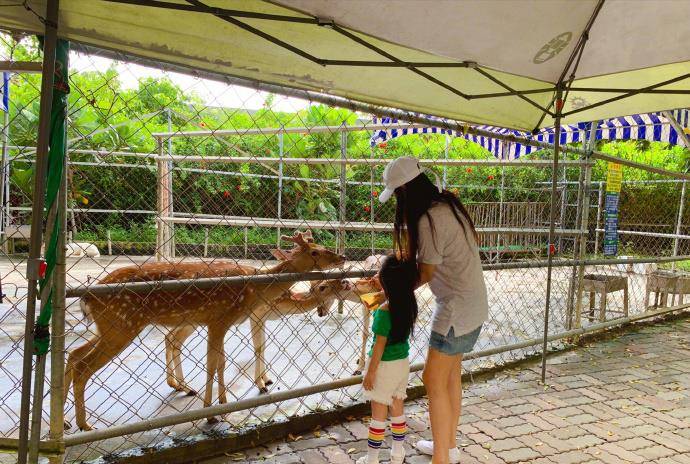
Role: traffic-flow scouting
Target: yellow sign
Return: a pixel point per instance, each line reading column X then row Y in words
column 614, row 178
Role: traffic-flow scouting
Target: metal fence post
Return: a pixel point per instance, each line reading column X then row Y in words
column 36, row 238
column 5, row 177
column 57, row 352
column 445, row 157
column 371, row 203
column 342, row 202
column 160, row 235
column 281, row 149
column 580, row 243
column 170, row 168
column 246, row 242
column 600, row 207
column 679, row 221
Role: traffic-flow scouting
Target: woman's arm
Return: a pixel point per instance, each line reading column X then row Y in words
column 426, row 273
column 370, row 376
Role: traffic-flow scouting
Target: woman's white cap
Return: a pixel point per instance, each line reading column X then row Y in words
column 398, row 173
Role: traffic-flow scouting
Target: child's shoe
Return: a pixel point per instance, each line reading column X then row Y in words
column 427, row 447
column 398, row 458
column 365, row 460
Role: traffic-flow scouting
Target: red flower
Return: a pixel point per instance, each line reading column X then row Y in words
column 375, row 193
column 490, row 177
column 239, row 188
column 468, row 170
column 367, row 209
column 202, row 124
column 383, row 145
column 226, row 194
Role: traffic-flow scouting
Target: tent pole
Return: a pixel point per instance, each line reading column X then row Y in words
column 552, row 224
column 36, row 239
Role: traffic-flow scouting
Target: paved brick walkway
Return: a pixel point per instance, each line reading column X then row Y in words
column 625, row 399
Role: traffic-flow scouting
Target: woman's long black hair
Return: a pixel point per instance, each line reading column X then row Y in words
column 413, row 200
column 398, row 279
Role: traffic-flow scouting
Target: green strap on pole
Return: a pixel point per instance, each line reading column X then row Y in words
column 56, row 153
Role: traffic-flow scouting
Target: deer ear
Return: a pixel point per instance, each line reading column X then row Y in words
column 281, row 255
column 299, row 296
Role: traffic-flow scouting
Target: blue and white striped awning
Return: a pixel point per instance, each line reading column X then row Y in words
column 652, row 126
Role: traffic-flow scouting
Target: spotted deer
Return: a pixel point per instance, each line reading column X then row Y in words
column 320, row 295
column 120, row 317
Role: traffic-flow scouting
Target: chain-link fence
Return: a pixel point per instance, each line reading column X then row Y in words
column 193, row 182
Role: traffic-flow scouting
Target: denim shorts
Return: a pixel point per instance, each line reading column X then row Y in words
column 452, row 345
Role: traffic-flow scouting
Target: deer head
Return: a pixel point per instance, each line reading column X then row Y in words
column 323, row 292
column 367, row 285
column 307, row 255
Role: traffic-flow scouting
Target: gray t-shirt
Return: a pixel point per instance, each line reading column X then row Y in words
column 458, row 283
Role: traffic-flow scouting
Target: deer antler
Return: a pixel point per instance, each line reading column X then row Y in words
column 308, row 236
column 298, row 239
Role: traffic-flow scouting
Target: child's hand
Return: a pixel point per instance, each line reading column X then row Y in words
column 369, row 379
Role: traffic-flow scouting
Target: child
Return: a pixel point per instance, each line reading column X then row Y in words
column 388, row 367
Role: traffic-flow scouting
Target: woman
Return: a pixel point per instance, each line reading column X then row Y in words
column 434, row 230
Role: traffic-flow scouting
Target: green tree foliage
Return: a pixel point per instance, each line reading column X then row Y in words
column 105, row 115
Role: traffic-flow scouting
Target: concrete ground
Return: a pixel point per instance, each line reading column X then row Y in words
column 625, row 399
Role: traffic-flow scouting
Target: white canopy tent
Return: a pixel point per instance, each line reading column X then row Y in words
column 486, row 62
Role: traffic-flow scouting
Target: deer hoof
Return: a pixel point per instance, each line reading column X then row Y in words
column 67, row 425
column 263, row 390
column 191, row 392
column 85, row 428
column 269, row 382
column 357, row 372
column 212, row 420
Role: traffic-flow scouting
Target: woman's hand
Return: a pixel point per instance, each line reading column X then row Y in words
column 369, row 380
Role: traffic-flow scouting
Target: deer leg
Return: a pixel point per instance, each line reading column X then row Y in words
column 76, row 355
column 103, row 351
column 169, row 361
column 173, row 356
column 214, row 352
column 258, row 328
column 366, row 315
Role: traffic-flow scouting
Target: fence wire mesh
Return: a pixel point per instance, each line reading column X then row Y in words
column 176, row 177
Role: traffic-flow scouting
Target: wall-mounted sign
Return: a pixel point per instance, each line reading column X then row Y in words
column 613, row 188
